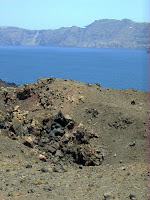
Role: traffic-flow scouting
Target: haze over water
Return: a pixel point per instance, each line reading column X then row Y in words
column 114, row 68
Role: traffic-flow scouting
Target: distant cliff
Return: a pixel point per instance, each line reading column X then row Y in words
column 104, row 33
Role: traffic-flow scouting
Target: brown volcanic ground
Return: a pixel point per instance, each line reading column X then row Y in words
column 95, row 148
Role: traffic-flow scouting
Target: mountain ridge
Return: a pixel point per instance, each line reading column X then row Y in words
column 104, row 33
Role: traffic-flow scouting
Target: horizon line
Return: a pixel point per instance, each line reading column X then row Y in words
column 72, row 25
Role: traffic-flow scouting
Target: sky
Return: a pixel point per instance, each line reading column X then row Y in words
column 53, row 14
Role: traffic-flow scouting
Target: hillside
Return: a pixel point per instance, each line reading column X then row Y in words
column 63, row 139
column 104, row 33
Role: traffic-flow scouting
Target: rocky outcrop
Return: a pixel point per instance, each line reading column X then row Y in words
column 62, row 120
column 59, row 136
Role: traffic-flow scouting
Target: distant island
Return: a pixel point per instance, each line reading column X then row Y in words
column 105, row 33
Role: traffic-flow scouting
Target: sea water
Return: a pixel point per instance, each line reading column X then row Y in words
column 114, row 68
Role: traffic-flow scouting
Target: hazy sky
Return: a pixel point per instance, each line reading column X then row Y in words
column 52, row 14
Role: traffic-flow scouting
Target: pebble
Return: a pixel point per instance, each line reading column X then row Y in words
column 31, row 191
column 108, row 196
column 28, row 166
column 42, row 157
column 132, row 144
column 10, row 194
column 132, row 196
column 59, row 168
column 98, row 84
column 132, row 102
column 99, row 176
column 44, row 169
column 28, row 142
column 50, row 188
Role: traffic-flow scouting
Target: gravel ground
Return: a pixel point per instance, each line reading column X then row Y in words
column 113, row 124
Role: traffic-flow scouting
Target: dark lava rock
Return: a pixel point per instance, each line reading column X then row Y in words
column 55, row 125
column 65, row 142
column 24, row 92
column 57, row 132
column 60, row 119
column 70, row 125
column 133, row 102
column 80, row 137
column 66, row 145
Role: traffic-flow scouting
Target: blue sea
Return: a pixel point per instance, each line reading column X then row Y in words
column 114, row 68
